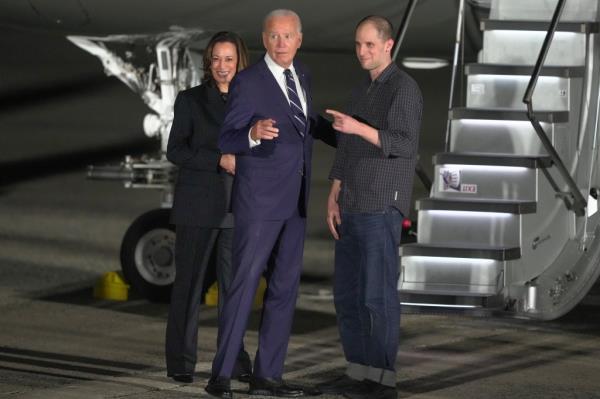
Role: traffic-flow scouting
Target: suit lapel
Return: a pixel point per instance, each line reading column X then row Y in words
column 275, row 90
column 212, row 102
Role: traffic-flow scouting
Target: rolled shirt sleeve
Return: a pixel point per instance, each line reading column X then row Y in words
column 403, row 123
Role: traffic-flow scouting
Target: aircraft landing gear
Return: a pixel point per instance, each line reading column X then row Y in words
column 148, row 248
column 148, row 255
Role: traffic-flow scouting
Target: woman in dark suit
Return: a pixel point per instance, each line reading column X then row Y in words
column 201, row 207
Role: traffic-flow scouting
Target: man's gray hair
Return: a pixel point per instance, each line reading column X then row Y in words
column 282, row 12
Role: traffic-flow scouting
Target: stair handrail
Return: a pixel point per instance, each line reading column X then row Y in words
column 457, row 46
column 578, row 203
column 421, row 174
column 402, row 29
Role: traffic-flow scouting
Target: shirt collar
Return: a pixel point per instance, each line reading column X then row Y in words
column 276, row 68
column 386, row 73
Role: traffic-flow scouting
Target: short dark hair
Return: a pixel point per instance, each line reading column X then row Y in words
column 384, row 27
column 223, row 37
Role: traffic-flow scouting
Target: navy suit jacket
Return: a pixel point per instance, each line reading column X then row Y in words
column 272, row 179
column 203, row 189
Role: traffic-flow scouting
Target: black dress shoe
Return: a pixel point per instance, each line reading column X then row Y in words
column 182, row 377
column 219, row 387
column 274, row 387
column 372, row 390
column 338, row 385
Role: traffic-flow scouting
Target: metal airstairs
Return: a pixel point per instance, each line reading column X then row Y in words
column 502, row 229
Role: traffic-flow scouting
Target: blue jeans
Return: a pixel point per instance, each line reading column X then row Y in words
column 365, row 292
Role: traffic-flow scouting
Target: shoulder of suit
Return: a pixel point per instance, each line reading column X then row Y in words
column 187, row 93
column 200, row 95
column 249, row 76
column 251, row 70
column 301, row 69
column 196, row 90
column 203, row 92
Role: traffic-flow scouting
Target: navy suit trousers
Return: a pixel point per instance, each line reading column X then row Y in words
column 273, row 248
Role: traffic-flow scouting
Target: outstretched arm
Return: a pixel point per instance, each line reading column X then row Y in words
column 347, row 124
column 324, row 131
column 400, row 137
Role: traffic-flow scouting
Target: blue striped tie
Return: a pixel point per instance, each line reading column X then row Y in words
column 295, row 104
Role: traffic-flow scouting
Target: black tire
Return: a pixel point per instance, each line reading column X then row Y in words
column 148, row 255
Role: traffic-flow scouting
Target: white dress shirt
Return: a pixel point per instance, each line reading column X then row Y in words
column 279, row 76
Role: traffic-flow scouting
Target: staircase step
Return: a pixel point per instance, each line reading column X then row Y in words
column 485, row 90
column 452, row 270
column 487, row 131
column 467, row 251
column 510, row 160
column 506, row 115
column 576, row 27
column 494, row 177
column 542, row 10
column 519, row 42
column 521, row 70
column 476, row 205
column 452, row 221
column 416, row 302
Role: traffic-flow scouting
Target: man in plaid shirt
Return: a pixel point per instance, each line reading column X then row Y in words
column 372, row 179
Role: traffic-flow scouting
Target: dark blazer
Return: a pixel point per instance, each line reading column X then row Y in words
column 272, row 179
column 203, row 189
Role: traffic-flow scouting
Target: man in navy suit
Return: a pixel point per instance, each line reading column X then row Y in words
column 269, row 126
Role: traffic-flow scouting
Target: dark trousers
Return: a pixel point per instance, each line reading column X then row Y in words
column 275, row 249
column 365, row 292
column 193, row 248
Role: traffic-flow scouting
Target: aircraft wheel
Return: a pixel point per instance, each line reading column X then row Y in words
column 148, row 255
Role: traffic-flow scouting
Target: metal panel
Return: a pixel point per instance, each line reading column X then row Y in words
column 541, row 26
column 447, row 228
column 468, row 251
column 406, row 287
column 495, row 69
column 506, row 92
column 500, row 137
column 456, row 276
column 506, row 115
column 492, row 160
column 476, row 205
column 523, row 47
column 542, row 10
column 474, row 181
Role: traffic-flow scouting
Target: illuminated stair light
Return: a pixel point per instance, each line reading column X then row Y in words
column 521, row 35
column 491, row 122
column 487, row 168
column 516, row 78
column 439, row 305
column 470, row 214
column 478, row 262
